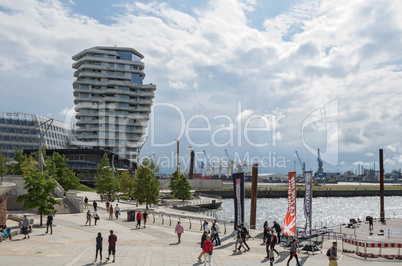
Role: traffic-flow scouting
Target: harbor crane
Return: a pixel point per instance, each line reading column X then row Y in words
column 302, row 165
column 229, row 165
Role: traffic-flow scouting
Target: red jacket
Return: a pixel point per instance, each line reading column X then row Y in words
column 139, row 216
column 207, row 247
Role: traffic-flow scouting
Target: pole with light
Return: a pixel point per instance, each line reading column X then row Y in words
column 42, row 134
column 177, row 156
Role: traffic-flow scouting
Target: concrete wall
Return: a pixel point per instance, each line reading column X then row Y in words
column 76, row 201
column 195, row 184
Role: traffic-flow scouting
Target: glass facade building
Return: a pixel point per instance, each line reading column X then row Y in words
column 112, row 103
column 20, row 131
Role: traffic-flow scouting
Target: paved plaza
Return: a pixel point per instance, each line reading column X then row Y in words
column 73, row 243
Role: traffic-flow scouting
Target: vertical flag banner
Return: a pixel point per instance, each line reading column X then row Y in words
column 238, row 185
column 289, row 224
column 308, row 202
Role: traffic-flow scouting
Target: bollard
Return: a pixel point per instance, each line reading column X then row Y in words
column 170, row 221
column 153, row 214
column 365, row 250
column 224, row 223
column 163, row 220
column 200, row 225
column 189, row 219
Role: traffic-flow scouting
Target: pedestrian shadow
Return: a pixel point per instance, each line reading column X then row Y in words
column 174, row 244
column 283, row 256
column 264, row 260
column 198, row 263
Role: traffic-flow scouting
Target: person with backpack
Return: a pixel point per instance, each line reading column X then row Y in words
column 239, row 239
column 244, row 236
column 332, row 255
column 273, row 242
column 203, row 238
column 293, row 252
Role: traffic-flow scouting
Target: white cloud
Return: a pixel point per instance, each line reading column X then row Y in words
column 205, row 60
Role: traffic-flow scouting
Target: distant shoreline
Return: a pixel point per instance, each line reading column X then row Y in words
column 270, row 193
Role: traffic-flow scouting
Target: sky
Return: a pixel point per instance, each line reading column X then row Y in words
column 260, row 79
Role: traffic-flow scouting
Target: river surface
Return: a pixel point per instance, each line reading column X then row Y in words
column 326, row 211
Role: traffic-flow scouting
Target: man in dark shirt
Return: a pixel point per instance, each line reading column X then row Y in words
column 49, row 223
column 278, row 230
column 112, row 245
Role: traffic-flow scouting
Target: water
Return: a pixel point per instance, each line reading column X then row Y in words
column 326, row 211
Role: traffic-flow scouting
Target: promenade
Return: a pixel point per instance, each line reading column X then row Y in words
column 73, row 243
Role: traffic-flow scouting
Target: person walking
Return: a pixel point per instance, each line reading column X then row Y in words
column 96, row 216
column 213, row 233
column 49, row 223
column 139, row 217
column 111, row 212
column 85, row 202
column 271, row 257
column 25, row 226
column 273, row 242
column 203, row 238
column 268, row 244
column 144, row 217
column 178, row 230
column 117, row 211
column 112, row 245
column 244, row 235
column 207, row 247
column 218, row 231
column 293, row 252
column 239, row 239
column 99, row 240
column 371, row 224
column 107, row 205
column 89, row 217
column 333, row 255
column 278, row 230
column 206, row 227
column 95, row 204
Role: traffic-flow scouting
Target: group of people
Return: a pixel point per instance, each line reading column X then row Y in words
column 112, row 211
column 112, row 239
column 141, row 216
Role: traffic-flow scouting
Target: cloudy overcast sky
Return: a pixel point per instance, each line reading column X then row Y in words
column 308, row 74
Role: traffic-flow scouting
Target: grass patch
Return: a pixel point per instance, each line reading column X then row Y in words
column 85, row 188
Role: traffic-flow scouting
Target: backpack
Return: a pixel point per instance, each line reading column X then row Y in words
column 329, row 252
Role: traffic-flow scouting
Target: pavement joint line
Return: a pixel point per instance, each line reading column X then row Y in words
column 77, row 258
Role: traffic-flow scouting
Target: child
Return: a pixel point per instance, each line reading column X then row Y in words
column 271, row 256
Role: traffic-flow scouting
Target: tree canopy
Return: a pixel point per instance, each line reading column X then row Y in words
column 127, row 183
column 146, row 187
column 19, row 158
column 3, row 165
column 180, row 186
column 39, row 189
column 56, row 166
column 106, row 181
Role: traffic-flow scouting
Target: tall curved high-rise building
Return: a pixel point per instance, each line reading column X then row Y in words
column 112, row 103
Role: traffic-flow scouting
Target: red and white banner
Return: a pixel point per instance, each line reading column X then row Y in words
column 289, row 224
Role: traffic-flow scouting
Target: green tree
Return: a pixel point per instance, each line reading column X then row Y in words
column 182, row 188
column 151, row 164
column 39, row 189
column 19, row 158
column 127, row 183
column 3, row 165
column 146, row 188
column 106, row 181
column 56, row 166
column 173, row 180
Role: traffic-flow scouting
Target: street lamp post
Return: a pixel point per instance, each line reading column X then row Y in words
column 42, row 134
column 177, row 156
